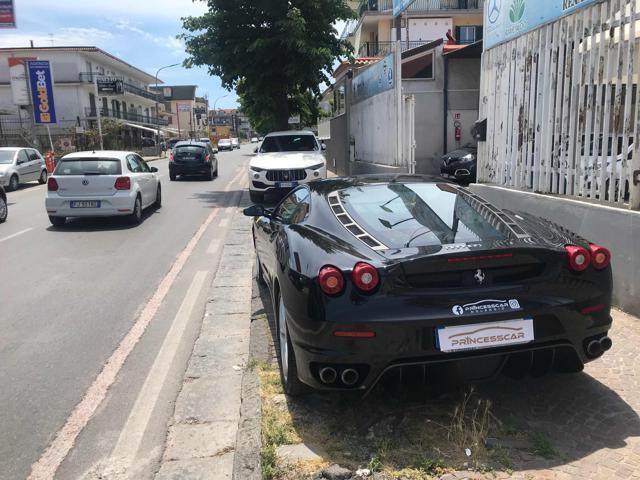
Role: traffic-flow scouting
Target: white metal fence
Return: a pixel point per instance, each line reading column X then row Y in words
column 563, row 107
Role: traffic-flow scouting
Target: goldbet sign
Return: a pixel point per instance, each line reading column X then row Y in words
column 44, row 111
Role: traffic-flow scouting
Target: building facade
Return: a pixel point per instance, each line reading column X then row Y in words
column 87, row 82
column 179, row 101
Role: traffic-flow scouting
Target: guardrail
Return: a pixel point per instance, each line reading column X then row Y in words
column 381, row 49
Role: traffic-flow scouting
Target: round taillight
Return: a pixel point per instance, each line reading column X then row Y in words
column 365, row 277
column 52, row 184
column 579, row 258
column 600, row 257
column 331, row 280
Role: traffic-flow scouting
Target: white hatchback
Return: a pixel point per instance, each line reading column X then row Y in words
column 102, row 184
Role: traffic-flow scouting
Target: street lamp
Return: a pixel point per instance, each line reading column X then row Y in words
column 157, row 114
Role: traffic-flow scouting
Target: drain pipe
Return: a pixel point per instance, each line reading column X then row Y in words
column 445, row 92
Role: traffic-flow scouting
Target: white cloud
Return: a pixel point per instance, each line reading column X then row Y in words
column 170, row 9
column 175, row 45
column 62, row 36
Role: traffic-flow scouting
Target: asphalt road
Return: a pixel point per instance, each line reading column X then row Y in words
column 68, row 301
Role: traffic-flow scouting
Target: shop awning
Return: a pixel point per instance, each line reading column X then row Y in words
column 133, row 125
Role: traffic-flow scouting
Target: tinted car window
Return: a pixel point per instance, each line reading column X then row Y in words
column 189, row 152
column 143, row 164
column 89, row 166
column 6, row 156
column 295, row 207
column 133, row 164
column 22, row 156
column 419, row 214
column 289, row 143
column 33, row 155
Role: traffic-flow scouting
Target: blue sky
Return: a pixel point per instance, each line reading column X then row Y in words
column 141, row 32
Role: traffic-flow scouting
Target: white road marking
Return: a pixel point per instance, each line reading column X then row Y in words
column 49, row 462
column 214, row 246
column 126, row 449
column 15, row 234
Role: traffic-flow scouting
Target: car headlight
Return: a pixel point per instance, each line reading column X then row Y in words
column 468, row 157
column 316, row 167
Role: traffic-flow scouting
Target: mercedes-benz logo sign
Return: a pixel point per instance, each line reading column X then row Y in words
column 85, row 182
column 494, row 10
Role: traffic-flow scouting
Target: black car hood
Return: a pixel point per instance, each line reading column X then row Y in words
column 463, row 152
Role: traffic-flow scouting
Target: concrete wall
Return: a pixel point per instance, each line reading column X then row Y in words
column 373, row 124
column 337, row 152
column 613, row 228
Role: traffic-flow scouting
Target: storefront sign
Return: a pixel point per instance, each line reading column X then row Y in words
column 7, row 14
column 41, row 80
column 400, row 6
column 377, row 78
column 507, row 19
column 18, row 79
column 110, row 86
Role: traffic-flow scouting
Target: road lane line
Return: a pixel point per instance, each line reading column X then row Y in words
column 49, row 462
column 126, row 449
column 214, row 246
column 15, row 234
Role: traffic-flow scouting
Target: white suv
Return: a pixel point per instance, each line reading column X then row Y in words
column 284, row 160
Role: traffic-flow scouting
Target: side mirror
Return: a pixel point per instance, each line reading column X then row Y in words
column 255, row 150
column 215, row 150
column 254, row 211
column 323, row 146
column 153, row 169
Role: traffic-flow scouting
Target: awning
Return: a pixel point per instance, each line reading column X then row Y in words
column 133, row 125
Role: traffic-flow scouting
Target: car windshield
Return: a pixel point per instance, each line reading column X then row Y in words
column 6, row 156
column 89, row 166
column 224, row 142
column 289, row 143
column 419, row 214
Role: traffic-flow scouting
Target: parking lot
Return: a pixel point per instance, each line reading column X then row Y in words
column 581, row 425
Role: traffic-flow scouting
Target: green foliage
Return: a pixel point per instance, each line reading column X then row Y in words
column 517, row 10
column 275, row 54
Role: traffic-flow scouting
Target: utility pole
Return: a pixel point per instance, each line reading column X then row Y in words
column 98, row 113
column 157, row 114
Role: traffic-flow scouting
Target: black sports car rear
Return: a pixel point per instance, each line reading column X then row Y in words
column 370, row 274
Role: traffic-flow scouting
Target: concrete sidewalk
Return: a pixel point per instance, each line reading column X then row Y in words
column 202, row 436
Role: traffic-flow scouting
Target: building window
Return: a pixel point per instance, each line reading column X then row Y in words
column 468, row 34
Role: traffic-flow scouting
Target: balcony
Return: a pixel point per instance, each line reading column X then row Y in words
column 382, row 49
column 128, row 88
column 421, row 5
column 128, row 116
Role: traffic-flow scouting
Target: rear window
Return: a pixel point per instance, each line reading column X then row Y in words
column 193, row 151
column 289, row 143
column 89, row 166
column 419, row 214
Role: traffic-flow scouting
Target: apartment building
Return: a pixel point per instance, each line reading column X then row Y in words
column 179, row 103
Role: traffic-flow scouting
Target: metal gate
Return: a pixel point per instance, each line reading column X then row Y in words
column 563, row 109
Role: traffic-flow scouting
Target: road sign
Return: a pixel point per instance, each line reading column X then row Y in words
column 18, row 80
column 110, row 85
column 7, row 14
column 44, row 110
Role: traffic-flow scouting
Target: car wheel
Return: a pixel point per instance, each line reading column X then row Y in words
column 211, row 175
column 57, row 221
column 256, row 197
column 158, row 202
column 288, row 368
column 4, row 210
column 172, row 176
column 43, row 177
column 14, row 183
column 136, row 217
column 215, row 174
column 259, row 272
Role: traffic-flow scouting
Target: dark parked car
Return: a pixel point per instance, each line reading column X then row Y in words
column 190, row 158
column 371, row 274
column 4, row 209
column 460, row 165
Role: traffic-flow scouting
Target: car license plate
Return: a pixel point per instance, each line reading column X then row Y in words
column 286, row 184
column 85, row 204
column 485, row 335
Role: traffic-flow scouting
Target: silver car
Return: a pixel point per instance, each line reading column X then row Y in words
column 21, row 165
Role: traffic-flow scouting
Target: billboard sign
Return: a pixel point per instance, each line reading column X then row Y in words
column 44, row 110
column 110, row 86
column 400, row 6
column 18, row 80
column 184, row 107
column 7, row 14
column 508, row 19
column 377, row 78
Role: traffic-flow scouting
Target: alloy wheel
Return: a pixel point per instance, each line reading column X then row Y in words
column 13, row 183
column 3, row 210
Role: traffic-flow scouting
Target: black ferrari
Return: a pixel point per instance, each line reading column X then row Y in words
column 377, row 273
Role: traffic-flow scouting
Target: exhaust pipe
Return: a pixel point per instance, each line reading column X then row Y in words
column 350, row 376
column 606, row 343
column 594, row 348
column 328, row 375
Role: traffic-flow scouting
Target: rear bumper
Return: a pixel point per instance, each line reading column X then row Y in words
column 117, row 205
column 187, row 169
column 560, row 344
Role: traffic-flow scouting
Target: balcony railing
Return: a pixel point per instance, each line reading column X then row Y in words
column 130, row 116
column 382, row 49
column 129, row 88
column 421, row 5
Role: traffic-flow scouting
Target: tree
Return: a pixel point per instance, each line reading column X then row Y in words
column 275, row 53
